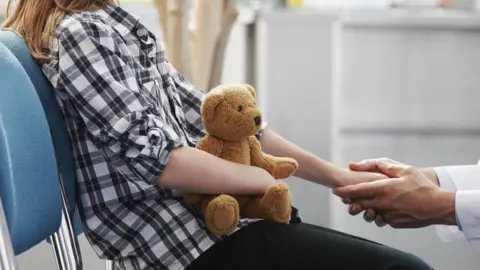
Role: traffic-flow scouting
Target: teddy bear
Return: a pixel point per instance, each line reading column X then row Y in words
column 231, row 120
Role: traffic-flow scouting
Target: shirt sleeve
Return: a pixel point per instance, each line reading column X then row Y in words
column 191, row 98
column 465, row 181
column 118, row 116
column 446, row 182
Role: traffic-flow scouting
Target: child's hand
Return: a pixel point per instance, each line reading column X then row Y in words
column 352, row 177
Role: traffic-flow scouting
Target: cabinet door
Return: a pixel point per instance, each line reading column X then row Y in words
column 407, row 76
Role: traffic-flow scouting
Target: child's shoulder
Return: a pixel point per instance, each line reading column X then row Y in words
column 84, row 20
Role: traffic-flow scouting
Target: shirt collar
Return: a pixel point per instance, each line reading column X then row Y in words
column 121, row 20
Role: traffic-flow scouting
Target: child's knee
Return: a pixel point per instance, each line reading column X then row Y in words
column 407, row 261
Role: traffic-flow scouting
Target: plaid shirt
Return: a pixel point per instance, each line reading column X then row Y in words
column 126, row 109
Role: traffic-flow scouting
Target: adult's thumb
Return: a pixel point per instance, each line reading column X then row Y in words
column 393, row 169
column 368, row 165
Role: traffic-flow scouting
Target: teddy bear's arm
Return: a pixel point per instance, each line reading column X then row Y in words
column 258, row 158
column 278, row 167
column 211, row 145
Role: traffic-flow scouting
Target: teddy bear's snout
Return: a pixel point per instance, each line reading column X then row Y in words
column 258, row 120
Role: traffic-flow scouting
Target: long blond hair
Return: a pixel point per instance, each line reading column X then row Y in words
column 35, row 21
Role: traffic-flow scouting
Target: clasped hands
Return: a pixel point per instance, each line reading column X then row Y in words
column 405, row 197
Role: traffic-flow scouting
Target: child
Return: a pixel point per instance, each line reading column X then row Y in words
column 133, row 122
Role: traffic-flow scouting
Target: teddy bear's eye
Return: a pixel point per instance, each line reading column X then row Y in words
column 240, row 108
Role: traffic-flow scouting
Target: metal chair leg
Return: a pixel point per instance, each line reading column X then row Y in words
column 109, row 265
column 65, row 242
column 58, row 252
column 7, row 255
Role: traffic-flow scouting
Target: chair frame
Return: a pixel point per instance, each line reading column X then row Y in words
column 66, row 248
column 65, row 242
column 109, row 265
column 7, row 255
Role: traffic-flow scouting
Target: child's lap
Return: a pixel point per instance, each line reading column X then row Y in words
column 265, row 245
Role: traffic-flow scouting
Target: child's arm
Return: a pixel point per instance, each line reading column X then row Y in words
column 212, row 146
column 195, row 171
column 311, row 167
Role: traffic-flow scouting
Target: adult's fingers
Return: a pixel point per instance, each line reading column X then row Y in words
column 379, row 221
column 369, row 215
column 362, row 190
column 346, row 201
column 355, row 209
column 393, row 169
column 368, row 165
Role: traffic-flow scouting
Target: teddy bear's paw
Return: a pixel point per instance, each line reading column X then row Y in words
column 222, row 215
column 285, row 167
column 277, row 203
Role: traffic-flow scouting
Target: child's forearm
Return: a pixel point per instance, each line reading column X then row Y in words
column 311, row 167
column 192, row 170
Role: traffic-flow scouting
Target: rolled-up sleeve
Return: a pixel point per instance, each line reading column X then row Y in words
column 191, row 98
column 118, row 116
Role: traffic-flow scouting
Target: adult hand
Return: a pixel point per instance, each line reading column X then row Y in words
column 353, row 177
column 409, row 199
column 370, row 165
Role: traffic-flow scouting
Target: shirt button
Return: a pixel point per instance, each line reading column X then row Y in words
column 152, row 53
column 141, row 32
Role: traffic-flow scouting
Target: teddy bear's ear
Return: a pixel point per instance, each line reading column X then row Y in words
column 251, row 90
column 211, row 102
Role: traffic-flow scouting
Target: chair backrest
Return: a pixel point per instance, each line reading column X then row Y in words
column 52, row 111
column 29, row 184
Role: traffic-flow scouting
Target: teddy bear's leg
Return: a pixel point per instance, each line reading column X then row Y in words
column 277, row 203
column 221, row 214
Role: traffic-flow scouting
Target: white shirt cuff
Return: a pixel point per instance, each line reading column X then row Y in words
column 446, row 182
column 444, row 179
column 465, row 180
column 467, row 209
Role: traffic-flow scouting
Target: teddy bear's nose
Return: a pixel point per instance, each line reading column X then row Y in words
column 258, row 120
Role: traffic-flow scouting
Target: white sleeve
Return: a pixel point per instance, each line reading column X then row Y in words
column 465, row 180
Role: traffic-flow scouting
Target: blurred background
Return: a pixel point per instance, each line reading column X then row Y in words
column 347, row 80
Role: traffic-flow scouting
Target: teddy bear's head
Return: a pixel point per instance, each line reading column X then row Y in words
column 229, row 112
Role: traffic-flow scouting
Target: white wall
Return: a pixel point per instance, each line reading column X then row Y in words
column 406, row 87
column 293, row 78
column 409, row 92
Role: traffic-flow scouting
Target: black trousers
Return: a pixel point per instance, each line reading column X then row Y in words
column 265, row 245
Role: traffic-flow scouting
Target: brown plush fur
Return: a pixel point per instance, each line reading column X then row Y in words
column 231, row 118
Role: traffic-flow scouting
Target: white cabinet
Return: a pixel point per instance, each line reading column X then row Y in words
column 406, row 86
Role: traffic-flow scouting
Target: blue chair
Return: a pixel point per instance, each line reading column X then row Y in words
column 65, row 241
column 65, row 244
column 29, row 183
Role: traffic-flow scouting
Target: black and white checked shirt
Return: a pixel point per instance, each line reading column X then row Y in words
column 126, row 109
